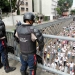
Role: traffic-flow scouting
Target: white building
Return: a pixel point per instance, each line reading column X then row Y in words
column 37, row 6
column 73, row 5
column 46, row 7
column 26, row 6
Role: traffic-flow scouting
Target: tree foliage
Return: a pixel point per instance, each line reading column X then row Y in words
column 13, row 4
column 17, row 6
column 73, row 12
column 6, row 5
column 63, row 5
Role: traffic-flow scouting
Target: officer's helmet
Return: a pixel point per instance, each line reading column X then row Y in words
column 28, row 16
column 1, row 23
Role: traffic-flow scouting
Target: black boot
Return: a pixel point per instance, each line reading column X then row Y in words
column 1, row 65
column 9, row 69
column 24, row 73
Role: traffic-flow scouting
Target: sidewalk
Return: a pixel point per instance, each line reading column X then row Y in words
column 17, row 64
column 12, row 63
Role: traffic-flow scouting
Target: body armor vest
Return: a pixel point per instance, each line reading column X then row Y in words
column 27, row 46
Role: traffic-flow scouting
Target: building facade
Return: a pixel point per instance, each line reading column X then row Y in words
column 26, row 6
column 46, row 7
column 37, row 6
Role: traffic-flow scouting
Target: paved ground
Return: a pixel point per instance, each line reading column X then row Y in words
column 12, row 63
column 17, row 71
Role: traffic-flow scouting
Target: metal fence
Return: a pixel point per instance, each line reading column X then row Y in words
column 47, row 29
column 12, row 42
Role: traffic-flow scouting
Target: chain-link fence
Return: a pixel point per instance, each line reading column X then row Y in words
column 58, row 49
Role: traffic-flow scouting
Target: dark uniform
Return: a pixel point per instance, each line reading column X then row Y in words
column 1, row 65
column 18, row 23
column 27, row 46
column 3, row 46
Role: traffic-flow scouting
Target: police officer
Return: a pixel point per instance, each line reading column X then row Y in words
column 1, row 65
column 18, row 23
column 3, row 51
column 28, row 36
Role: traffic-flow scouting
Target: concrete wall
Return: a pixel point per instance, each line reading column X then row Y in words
column 12, row 20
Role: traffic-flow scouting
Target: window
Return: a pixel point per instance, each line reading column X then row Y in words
column 22, row 9
column 26, row 9
column 22, row 3
column 26, row 3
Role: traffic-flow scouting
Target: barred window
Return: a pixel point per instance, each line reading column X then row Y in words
column 26, row 9
column 22, row 8
column 22, row 2
column 26, row 3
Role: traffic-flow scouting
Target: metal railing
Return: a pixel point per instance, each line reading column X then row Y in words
column 12, row 42
column 45, row 28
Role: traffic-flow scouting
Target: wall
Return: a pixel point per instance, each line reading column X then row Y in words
column 11, row 20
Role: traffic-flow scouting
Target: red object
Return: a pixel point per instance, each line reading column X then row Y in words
column 33, row 72
column 34, row 59
column 3, row 43
column 65, row 13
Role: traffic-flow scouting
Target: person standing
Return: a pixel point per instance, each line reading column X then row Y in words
column 1, row 65
column 3, row 50
column 71, row 67
column 28, row 35
column 18, row 23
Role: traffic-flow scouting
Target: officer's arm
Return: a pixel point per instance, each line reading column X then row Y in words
column 16, row 36
column 4, row 32
column 40, row 39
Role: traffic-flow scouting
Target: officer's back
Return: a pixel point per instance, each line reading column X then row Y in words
column 28, row 36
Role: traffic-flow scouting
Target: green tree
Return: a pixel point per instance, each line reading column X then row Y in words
column 73, row 12
column 5, row 5
column 58, row 11
column 63, row 6
column 15, row 5
column 18, row 3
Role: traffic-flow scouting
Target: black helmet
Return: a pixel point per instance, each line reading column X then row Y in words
column 1, row 23
column 28, row 16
